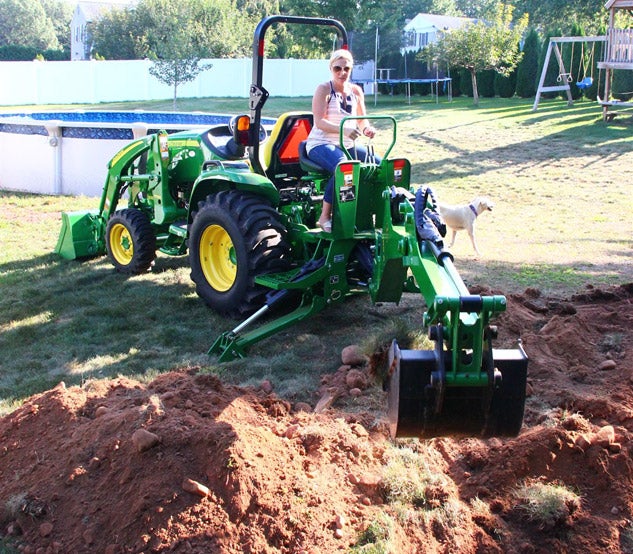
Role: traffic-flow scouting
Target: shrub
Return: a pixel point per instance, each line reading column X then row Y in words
column 527, row 73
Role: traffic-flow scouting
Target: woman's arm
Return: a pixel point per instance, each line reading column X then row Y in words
column 363, row 124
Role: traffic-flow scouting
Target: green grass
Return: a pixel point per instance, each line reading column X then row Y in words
column 547, row 504
column 562, row 221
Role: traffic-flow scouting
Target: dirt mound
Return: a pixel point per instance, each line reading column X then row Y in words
column 190, row 464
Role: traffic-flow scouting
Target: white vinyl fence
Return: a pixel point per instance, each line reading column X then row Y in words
column 72, row 156
column 92, row 82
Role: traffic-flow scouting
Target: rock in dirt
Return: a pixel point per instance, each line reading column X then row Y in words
column 582, row 442
column 46, row 529
column 352, row 356
column 326, row 400
column 144, row 440
column 356, row 379
column 607, row 365
column 193, row 487
column 605, row 436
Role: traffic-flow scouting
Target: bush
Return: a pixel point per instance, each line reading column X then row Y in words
column 29, row 53
column 486, row 83
column 553, row 69
column 465, row 83
column 505, row 86
column 17, row 53
column 622, row 85
column 527, row 72
column 456, row 82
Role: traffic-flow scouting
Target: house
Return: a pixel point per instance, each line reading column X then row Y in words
column 85, row 13
column 426, row 28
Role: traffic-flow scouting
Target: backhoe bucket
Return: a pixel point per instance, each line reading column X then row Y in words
column 421, row 405
column 79, row 235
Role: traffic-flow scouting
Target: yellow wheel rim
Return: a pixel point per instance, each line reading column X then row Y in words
column 121, row 244
column 217, row 257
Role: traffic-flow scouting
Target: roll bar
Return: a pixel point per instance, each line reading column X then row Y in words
column 258, row 94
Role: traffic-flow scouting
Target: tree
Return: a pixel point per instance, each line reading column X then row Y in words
column 60, row 14
column 546, row 16
column 24, row 23
column 173, row 42
column 210, row 28
column 552, row 72
column 481, row 46
column 527, row 70
column 505, row 86
column 177, row 70
column 478, row 9
column 116, row 35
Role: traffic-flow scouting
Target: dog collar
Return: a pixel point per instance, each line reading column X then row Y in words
column 472, row 209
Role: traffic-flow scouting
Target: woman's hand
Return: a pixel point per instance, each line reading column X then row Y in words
column 369, row 131
column 354, row 133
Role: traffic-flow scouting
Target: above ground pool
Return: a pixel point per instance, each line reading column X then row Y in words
column 66, row 152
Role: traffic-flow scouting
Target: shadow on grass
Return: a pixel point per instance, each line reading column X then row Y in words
column 530, row 152
column 75, row 321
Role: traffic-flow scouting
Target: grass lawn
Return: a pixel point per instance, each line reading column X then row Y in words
column 562, row 220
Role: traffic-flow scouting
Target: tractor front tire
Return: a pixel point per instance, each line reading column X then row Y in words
column 130, row 241
column 233, row 238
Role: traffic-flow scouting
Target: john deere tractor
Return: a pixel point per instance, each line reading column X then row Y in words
column 243, row 202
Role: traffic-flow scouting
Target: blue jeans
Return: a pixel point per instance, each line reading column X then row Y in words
column 328, row 156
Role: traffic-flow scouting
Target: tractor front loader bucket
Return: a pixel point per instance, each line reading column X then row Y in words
column 80, row 235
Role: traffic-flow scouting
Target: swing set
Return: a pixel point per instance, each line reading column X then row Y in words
column 618, row 55
column 565, row 77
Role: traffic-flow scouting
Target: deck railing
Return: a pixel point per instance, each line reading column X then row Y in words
column 619, row 46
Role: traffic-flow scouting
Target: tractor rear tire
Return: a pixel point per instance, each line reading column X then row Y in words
column 130, row 241
column 233, row 238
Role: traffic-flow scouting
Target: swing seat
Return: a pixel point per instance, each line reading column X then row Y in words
column 585, row 83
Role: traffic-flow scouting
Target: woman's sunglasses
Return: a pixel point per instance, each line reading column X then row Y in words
column 338, row 68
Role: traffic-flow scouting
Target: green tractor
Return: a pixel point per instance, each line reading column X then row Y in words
column 243, row 203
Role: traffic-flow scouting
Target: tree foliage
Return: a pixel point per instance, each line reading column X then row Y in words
column 59, row 13
column 483, row 45
column 563, row 14
column 527, row 70
column 25, row 23
column 116, row 35
column 209, row 28
column 172, row 42
column 178, row 34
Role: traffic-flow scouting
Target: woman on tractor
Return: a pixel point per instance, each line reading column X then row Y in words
column 332, row 101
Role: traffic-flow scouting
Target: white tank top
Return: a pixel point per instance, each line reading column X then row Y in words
column 340, row 105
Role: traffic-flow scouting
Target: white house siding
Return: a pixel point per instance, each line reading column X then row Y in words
column 426, row 28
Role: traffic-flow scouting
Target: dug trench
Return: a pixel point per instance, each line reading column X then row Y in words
column 188, row 463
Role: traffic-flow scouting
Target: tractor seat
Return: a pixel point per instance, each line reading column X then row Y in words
column 306, row 163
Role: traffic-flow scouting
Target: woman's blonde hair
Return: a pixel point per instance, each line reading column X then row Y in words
column 342, row 53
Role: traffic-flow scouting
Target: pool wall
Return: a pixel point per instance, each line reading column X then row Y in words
column 68, row 152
